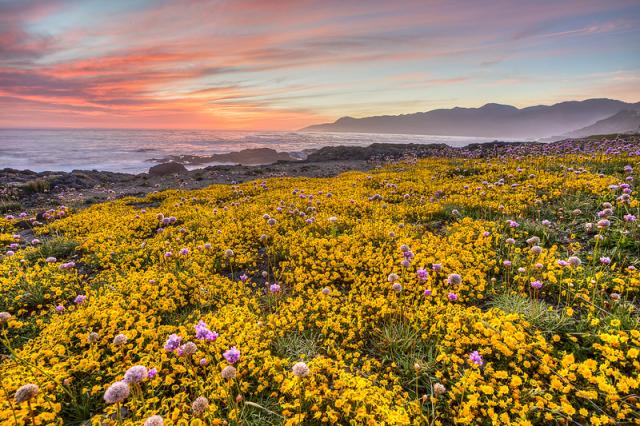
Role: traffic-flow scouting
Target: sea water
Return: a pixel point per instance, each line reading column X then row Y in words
column 133, row 151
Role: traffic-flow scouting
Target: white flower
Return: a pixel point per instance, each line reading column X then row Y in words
column 300, row 369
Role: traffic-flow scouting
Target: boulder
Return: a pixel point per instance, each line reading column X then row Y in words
column 165, row 169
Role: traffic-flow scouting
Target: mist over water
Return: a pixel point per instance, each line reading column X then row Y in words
column 130, row 150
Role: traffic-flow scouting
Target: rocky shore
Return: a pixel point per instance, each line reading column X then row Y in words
column 27, row 190
column 23, row 189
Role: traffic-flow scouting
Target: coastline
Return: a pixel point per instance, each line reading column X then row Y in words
column 27, row 190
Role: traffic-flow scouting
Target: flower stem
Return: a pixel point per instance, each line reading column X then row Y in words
column 33, row 417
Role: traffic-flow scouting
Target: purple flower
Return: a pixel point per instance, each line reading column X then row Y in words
column 574, row 261
column 605, row 260
column 427, row 292
column 184, row 251
column 152, row 373
column 117, row 392
column 452, row 297
column 187, row 349
column 232, row 355
column 536, row 284
column 422, row 274
column 629, row 218
column 507, row 263
column 136, row 374
column 454, row 279
column 173, row 342
column 81, row 298
column 513, row 223
column 274, row 288
column 408, row 255
column 244, row 278
column 437, row 267
column 59, row 308
column 203, row 362
column 203, row 332
column 168, row 254
column 51, row 259
column 476, row 358
column 486, row 233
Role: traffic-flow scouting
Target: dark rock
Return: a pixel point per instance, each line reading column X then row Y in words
column 251, row 156
column 165, row 169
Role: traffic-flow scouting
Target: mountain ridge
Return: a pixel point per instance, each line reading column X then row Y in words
column 490, row 120
column 625, row 121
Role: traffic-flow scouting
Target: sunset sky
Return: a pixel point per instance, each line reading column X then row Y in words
column 269, row 65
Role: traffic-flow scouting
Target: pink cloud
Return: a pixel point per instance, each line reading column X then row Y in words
column 233, row 63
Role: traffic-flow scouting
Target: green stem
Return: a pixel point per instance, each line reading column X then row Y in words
column 119, row 413
column 33, row 417
column 301, row 402
column 13, row 410
column 30, row 365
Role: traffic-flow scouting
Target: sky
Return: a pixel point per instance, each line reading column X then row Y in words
column 285, row 64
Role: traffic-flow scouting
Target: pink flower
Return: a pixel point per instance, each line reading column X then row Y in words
column 476, row 358
column 232, row 355
column 274, row 288
column 422, row 274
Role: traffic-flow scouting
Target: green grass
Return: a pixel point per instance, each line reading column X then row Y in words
column 536, row 312
column 296, row 345
column 396, row 341
column 261, row 412
column 7, row 206
column 36, row 186
column 58, row 247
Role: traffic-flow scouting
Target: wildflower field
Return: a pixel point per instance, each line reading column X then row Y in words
column 499, row 290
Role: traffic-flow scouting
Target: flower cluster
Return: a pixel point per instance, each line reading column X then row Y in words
column 488, row 290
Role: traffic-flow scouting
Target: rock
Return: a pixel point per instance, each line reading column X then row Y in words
column 248, row 157
column 165, row 169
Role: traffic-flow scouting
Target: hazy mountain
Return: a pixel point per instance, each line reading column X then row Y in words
column 626, row 121
column 490, row 120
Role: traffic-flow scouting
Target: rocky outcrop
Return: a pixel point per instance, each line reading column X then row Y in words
column 245, row 157
column 166, row 169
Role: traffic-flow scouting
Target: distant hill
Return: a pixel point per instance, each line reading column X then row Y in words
column 626, row 121
column 491, row 120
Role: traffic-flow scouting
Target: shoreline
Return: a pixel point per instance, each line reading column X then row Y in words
column 22, row 190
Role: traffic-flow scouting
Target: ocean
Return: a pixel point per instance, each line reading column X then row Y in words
column 130, row 151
